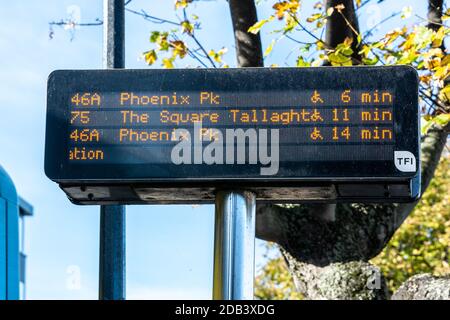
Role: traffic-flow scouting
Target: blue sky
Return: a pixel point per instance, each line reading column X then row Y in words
column 169, row 248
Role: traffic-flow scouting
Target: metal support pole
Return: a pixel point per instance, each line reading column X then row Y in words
column 234, row 245
column 112, row 218
column 112, row 253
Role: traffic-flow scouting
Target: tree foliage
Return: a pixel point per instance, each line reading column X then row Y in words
column 180, row 41
column 274, row 282
column 416, row 45
column 420, row 45
column 421, row 245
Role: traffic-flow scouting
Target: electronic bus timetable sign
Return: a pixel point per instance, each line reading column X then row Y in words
column 289, row 134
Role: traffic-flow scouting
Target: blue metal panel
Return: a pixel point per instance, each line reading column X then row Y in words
column 2, row 249
column 12, row 247
column 9, row 238
column 22, row 267
column 25, row 208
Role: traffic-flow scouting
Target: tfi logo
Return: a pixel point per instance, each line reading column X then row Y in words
column 405, row 161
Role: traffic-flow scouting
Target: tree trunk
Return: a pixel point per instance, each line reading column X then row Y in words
column 435, row 14
column 424, row 287
column 248, row 45
column 355, row 280
column 327, row 247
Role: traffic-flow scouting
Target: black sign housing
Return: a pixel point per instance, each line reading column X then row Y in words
column 344, row 134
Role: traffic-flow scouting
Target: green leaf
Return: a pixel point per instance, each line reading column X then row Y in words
column 345, row 48
column 305, row 48
column 302, row 63
column 187, row 27
column 154, row 36
column 339, row 59
column 359, row 38
column 370, row 62
column 442, row 119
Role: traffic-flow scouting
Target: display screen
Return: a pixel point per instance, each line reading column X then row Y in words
column 271, row 124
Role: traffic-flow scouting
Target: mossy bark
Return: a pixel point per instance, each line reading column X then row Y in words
column 424, row 287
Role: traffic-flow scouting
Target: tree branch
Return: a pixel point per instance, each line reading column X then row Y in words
column 342, row 24
column 151, row 18
column 435, row 14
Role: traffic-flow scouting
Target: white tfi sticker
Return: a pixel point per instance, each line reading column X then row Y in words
column 405, row 161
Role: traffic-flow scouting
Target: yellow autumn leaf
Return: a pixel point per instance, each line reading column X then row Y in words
column 168, row 63
column 444, row 95
column 187, row 27
column 314, row 17
column 438, row 37
column 217, row 55
column 283, row 7
column 269, row 48
column 258, row 25
column 150, row 57
column 445, row 61
column 179, row 48
column 182, row 3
